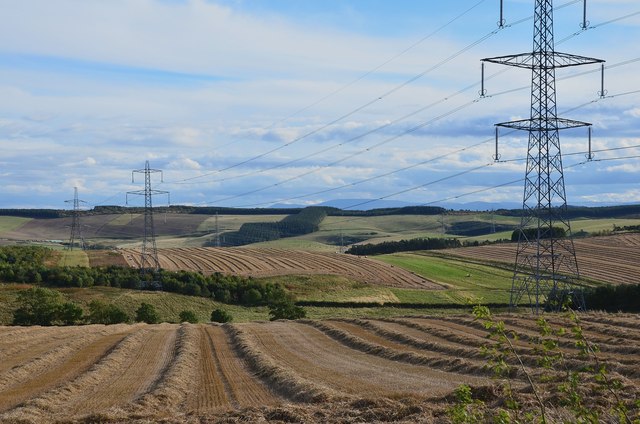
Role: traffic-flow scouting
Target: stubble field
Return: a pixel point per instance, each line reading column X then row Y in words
column 609, row 259
column 400, row 369
column 274, row 262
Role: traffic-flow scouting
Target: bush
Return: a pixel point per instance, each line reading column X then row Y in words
column 147, row 313
column 188, row 316
column 220, row 315
column 251, row 297
column 38, row 306
column 102, row 313
column 70, row 313
column 285, row 309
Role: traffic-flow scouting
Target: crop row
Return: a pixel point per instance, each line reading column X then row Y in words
column 165, row 371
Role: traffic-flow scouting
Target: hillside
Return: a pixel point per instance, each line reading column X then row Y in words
column 608, row 259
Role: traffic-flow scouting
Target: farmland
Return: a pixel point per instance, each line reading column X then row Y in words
column 353, row 370
column 270, row 262
column 611, row 259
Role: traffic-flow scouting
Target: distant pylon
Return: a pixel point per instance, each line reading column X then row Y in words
column 76, row 227
column 217, row 243
column 546, row 268
column 149, row 253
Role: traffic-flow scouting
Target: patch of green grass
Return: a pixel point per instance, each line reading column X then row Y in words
column 73, row 258
column 296, row 243
column 464, row 281
column 332, row 288
column 9, row 223
column 234, row 222
column 124, row 219
column 596, row 225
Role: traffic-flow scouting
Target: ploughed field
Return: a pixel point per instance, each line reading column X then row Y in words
column 273, row 262
column 399, row 369
column 610, row 259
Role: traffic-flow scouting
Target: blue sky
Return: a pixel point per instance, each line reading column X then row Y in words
column 256, row 102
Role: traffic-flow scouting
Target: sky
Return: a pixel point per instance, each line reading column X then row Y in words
column 251, row 103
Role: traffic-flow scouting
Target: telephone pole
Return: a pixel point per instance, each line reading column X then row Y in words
column 546, row 268
column 76, row 227
column 149, row 253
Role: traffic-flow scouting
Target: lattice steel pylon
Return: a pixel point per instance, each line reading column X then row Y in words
column 149, row 252
column 546, row 268
column 76, row 227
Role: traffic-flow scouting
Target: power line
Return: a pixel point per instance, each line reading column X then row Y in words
column 368, row 149
column 378, row 67
column 367, row 104
column 484, row 189
column 355, row 138
column 413, row 113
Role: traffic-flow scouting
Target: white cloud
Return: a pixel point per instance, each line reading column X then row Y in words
column 195, row 87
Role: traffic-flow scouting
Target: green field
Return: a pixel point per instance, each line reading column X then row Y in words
column 73, row 258
column 10, row 223
column 465, row 281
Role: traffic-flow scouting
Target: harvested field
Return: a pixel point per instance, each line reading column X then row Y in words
column 273, row 262
column 400, row 369
column 609, row 259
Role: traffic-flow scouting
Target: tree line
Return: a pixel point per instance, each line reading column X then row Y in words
column 404, row 246
column 22, row 264
column 620, row 298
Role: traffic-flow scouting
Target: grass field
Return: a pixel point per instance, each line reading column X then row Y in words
column 183, row 230
column 10, row 223
column 124, row 219
column 465, row 281
column 73, row 258
column 234, row 222
column 297, row 243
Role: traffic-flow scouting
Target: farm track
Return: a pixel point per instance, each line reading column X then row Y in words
column 273, row 262
column 206, row 371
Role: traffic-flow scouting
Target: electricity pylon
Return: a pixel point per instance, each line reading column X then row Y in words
column 149, row 253
column 546, row 267
column 76, row 227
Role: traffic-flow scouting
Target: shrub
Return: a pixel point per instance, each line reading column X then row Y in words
column 70, row 313
column 285, row 309
column 102, row 313
column 220, row 315
column 188, row 316
column 147, row 313
column 251, row 297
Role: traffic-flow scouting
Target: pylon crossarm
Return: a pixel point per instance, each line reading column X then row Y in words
column 542, row 125
column 551, row 60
